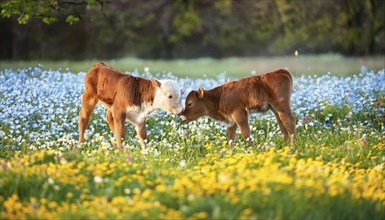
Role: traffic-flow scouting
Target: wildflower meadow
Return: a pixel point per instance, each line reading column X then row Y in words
column 335, row 170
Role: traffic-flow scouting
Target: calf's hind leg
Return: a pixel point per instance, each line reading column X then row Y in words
column 120, row 131
column 288, row 120
column 289, row 123
column 88, row 105
column 110, row 120
column 285, row 134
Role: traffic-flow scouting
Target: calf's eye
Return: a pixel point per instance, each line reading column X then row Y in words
column 170, row 96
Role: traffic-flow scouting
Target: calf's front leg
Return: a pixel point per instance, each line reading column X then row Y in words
column 240, row 117
column 230, row 132
column 141, row 131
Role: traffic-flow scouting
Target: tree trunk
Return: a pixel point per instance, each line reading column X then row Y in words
column 168, row 47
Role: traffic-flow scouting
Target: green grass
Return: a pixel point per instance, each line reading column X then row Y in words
column 330, row 173
column 236, row 67
column 335, row 170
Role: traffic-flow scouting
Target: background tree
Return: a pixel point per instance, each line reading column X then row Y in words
column 79, row 29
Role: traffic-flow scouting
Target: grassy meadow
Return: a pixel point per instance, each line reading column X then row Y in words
column 335, row 170
column 208, row 67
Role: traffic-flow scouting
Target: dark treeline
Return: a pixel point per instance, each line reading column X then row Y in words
column 195, row 28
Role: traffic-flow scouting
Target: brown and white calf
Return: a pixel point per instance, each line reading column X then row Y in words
column 126, row 97
column 232, row 102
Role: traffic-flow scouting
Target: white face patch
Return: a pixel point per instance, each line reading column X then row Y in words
column 168, row 97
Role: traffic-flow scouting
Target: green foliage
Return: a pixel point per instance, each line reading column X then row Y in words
column 29, row 9
column 185, row 22
column 48, row 11
column 192, row 28
column 72, row 19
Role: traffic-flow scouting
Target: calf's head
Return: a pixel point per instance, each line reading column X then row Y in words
column 195, row 106
column 168, row 96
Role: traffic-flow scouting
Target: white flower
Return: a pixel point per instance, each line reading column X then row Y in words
column 182, row 163
column 98, row 179
column 127, row 191
column 51, row 181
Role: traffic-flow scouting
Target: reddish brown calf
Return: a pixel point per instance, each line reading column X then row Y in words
column 126, row 97
column 232, row 102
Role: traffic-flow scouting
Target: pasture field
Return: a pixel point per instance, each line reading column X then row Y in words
column 335, row 170
column 234, row 67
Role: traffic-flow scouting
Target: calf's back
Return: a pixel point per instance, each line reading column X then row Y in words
column 255, row 93
column 110, row 86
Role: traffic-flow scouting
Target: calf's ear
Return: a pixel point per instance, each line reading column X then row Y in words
column 201, row 92
column 155, row 82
